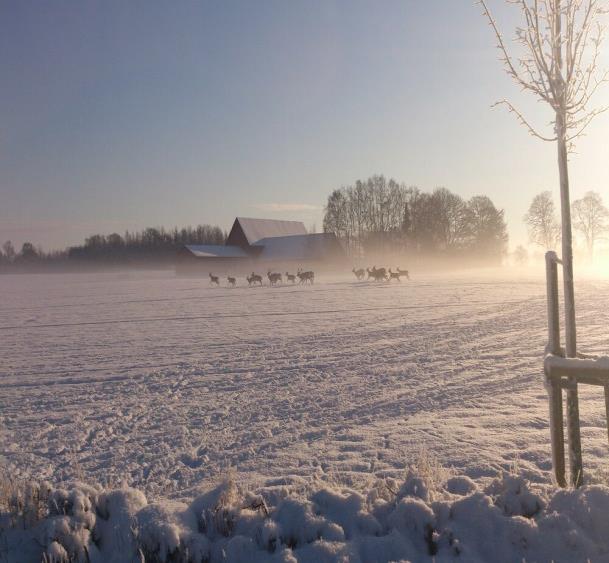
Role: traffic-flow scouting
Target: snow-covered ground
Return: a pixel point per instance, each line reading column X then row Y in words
column 163, row 383
column 320, row 399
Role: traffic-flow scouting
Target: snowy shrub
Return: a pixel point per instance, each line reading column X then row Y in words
column 395, row 521
column 348, row 511
column 425, row 479
column 512, row 495
column 157, row 534
column 460, row 485
column 55, row 553
column 414, row 486
column 428, row 468
column 382, row 491
column 415, row 519
column 299, row 525
column 24, row 503
column 217, row 510
column 240, row 549
column 587, row 508
column 267, row 536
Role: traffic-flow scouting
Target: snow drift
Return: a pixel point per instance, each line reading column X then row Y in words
column 457, row 521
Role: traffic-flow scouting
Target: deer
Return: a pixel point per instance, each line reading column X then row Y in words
column 254, row 279
column 232, row 282
column 404, row 273
column 359, row 274
column 274, row 277
column 377, row 274
column 290, row 277
column 394, row 275
column 306, row 277
column 213, row 279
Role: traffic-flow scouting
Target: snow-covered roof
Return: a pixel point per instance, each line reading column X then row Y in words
column 216, row 251
column 299, row 247
column 257, row 229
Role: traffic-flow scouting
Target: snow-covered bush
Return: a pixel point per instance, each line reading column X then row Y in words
column 457, row 519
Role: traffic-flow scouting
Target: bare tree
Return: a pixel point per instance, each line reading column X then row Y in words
column 560, row 41
column 453, row 220
column 521, row 255
column 590, row 219
column 488, row 228
column 383, row 215
column 9, row 250
column 541, row 221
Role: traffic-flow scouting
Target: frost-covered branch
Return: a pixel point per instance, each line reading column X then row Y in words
column 523, row 121
column 560, row 42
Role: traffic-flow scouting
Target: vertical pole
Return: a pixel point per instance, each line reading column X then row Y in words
column 557, row 432
column 552, row 295
column 554, row 389
column 606, row 387
column 573, row 431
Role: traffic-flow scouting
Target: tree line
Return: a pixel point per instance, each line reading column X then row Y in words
column 152, row 243
column 383, row 216
column 589, row 215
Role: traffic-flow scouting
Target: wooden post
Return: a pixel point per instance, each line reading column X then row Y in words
column 554, row 389
column 575, row 449
column 552, row 295
column 606, row 389
column 557, row 432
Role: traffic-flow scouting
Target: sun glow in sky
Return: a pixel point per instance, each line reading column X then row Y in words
column 119, row 115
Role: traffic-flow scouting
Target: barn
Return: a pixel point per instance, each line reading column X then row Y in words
column 261, row 244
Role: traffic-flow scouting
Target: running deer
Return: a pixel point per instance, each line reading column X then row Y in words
column 254, row 279
column 306, row 277
column 379, row 274
column 404, row 273
column 232, row 282
column 274, row 277
column 290, row 277
column 359, row 274
column 394, row 275
column 213, row 279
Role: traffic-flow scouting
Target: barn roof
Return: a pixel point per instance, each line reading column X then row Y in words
column 257, row 229
column 216, row 251
column 300, row 247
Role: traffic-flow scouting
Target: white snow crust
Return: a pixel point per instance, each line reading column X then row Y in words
column 301, row 394
column 504, row 522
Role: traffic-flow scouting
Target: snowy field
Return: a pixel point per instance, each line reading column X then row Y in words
column 163, row 383
column 349, row 421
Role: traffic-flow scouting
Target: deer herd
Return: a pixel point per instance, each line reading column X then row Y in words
column 380, row 274
column 308, row 277
column 303, row 277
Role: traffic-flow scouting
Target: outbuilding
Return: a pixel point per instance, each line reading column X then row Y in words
column 262, row 244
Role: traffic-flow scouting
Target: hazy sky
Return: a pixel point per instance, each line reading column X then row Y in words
column 119, row 115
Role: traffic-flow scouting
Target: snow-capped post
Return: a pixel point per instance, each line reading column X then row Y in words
column 560, row 40
column 553, row 311
column 554, row 388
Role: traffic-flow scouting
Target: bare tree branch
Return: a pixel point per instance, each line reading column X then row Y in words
column 559, row 63
column 523, row 120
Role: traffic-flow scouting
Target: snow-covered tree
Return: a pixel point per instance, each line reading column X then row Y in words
column 9, row 250
column 488, row 228
column 558, row 63
column 590, row 218
column 541, row 222
column 521, row 255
